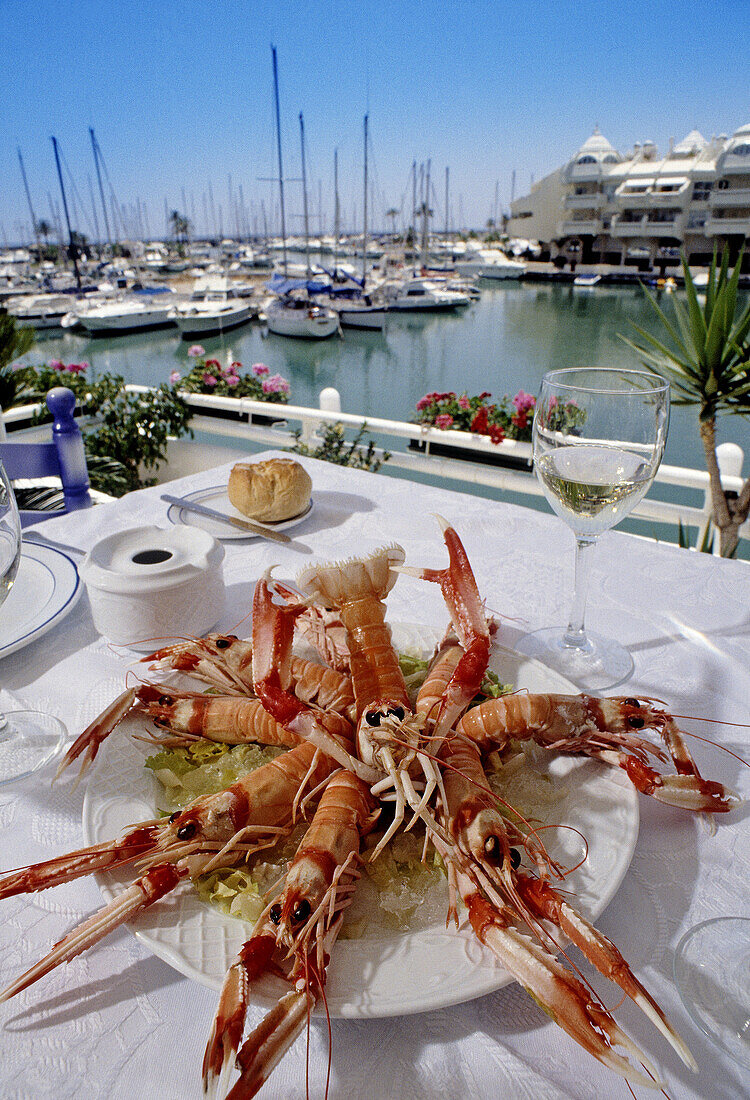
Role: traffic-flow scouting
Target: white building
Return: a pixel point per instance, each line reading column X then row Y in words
column 641, row 208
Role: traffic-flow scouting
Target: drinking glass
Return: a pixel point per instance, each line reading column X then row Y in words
column 598, row 437
column 712, row 974
column 28, row 738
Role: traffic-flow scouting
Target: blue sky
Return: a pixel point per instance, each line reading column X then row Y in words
column 180, row 94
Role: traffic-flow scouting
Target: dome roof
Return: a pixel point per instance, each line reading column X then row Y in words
column 691, row 143
column 744, row 131
column 596, row 144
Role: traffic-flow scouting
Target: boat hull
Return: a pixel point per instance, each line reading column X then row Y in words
column 196, row 325
column 298, row 323
column 370, row 319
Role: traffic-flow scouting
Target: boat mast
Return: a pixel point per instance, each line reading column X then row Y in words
column 95, row 147
column 34, row 226
column 426, row 215
column 447, row 171
column 336, row 210
column 72, row 247
column 364, row 218
column 304, row 194
column 278, row 147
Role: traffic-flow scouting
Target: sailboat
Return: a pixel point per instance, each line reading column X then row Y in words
column 292, row 312
column 354, row 306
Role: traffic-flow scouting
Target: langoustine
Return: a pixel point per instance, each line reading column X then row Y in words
column 415, row 758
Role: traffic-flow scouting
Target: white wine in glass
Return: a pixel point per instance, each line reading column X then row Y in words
column 28, row 738
column 598, row 436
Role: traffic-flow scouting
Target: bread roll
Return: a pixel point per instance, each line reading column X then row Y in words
column 270, row 491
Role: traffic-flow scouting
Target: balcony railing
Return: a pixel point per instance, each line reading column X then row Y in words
column 740, row 224
column 635, row 227
column 594, row 201
column 738, row 196
column 575, row 228
column 503, row 467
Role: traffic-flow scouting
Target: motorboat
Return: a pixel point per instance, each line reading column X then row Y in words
column 422, row 294
column 213, row 307
column 360, row 313
column 587, row 282
column 39, row 311
column 296, row 314
column 490, row 263
column 121, row 316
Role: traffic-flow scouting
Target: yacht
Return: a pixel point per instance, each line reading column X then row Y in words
column 490, row 263
column 121, row 316
column 213, row 307
column 39, row 311
column 422, row 294
column 301, row 316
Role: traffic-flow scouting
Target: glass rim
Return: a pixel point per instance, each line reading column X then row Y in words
column 658, row 384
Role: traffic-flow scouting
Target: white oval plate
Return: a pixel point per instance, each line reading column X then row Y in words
column 46, row 588
column 376, row 975
column 217, row 498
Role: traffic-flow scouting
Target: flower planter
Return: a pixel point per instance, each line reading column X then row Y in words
column 467, row 454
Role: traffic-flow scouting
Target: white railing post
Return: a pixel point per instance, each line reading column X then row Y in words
column 330, row 400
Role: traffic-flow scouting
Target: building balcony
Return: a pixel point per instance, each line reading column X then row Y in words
column 660, row 199
column 738, row 196
column 581, row 172
column 635, row 227
column 724, row 226
column 594, row 201
column 591, row 226
column 631, row 200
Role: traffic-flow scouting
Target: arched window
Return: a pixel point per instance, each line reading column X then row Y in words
column 738, row 151
column 586, row 160
column 609, row 159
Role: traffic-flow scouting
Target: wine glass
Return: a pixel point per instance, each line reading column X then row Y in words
column 599, row 436
column 28, row 738
column 712, row 974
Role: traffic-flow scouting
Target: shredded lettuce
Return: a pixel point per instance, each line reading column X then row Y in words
column 204, row 767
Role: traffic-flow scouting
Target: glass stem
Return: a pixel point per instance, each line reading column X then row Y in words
column 575, row 634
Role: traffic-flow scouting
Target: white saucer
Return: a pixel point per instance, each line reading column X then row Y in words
column 217, row 498
column 46, row 588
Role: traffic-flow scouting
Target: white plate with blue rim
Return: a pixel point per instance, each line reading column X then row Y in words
column 47, row 587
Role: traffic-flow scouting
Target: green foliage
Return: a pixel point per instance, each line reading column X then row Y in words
column 706, row 356
column 133, row 428
column 335, row 447
column 14, row 342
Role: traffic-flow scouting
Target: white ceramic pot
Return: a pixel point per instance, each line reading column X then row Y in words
column 146, row 584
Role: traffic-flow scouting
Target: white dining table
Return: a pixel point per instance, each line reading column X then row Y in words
column 117, row 1022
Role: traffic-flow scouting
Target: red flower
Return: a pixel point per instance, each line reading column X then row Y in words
column 213, row 363
column 496, row 433
column 480, row 423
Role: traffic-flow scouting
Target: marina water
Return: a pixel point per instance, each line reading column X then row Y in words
column 504, row 342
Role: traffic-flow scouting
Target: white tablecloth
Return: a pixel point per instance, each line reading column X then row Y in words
column 119, row 1023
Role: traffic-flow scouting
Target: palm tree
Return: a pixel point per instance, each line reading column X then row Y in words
column 180, row 226
column 392, row 214
column 707, row 361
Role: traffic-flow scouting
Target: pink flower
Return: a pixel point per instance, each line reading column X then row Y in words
column 424, row 403
column 209, row 380
column 444, row 421
column 260, row 370
column 56, row 364
column 75, row 368
column 175, row 377
column 195, row 351
column 524, row 402
column 232, row 380
column 275, row 384
column 463, row 402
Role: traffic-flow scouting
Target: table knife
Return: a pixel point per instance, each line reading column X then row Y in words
column 243, row 524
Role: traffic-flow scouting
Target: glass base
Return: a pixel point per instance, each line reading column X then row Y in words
column 601, row 664
column 712, row 974
column 29, row 739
